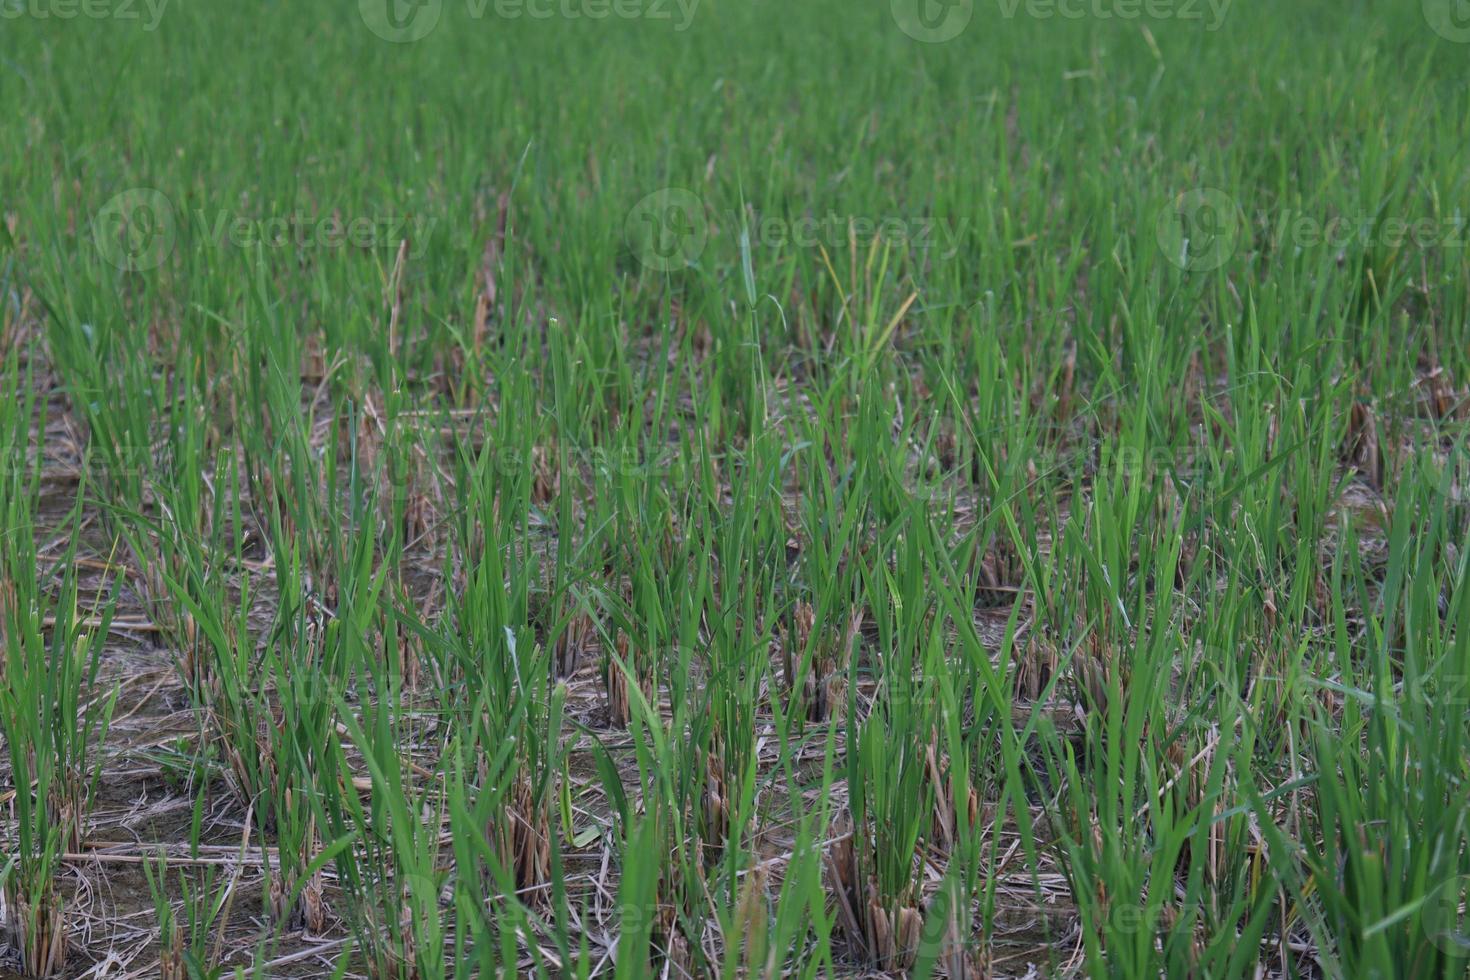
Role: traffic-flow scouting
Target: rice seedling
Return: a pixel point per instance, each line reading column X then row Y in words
column 191, row 940
column 54, row 716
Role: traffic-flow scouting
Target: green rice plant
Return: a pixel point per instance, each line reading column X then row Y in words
column 660, row 903
column 656, row 566
column 191, row 933
column 219, row 662
column 292, row 753
column 976, row 772
column 1149, row 819
column 263, row 699
column 872, row 870
column 503, row 679
column 390, row 870
column 496, row 920
column 1385, row 863
column 492, row 763
column 54, row 715
column 101, row 348
column 176, row 962
column 310, row 658
column 683, row 838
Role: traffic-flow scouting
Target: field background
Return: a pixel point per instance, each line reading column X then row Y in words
column 743, row 489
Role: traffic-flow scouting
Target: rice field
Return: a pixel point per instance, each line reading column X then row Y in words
column 734, row 488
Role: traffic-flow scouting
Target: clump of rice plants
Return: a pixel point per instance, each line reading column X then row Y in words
column 54, row 716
